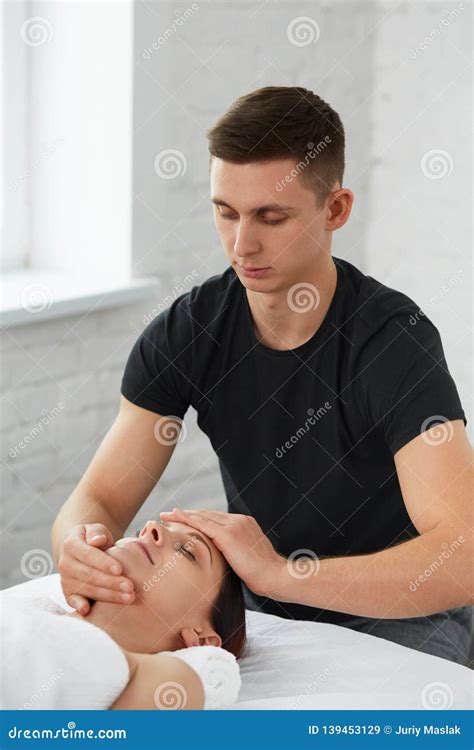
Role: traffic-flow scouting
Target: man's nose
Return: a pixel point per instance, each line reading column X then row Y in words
column 245, row 241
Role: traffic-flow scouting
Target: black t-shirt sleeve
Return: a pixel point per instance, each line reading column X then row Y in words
column 158, row 369
column 403, row 384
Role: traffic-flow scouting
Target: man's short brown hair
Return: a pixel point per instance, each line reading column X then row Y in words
column 277, row 122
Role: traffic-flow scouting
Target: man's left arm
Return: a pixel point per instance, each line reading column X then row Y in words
column 428, row 574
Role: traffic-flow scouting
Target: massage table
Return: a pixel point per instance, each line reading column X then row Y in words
column 301, row 665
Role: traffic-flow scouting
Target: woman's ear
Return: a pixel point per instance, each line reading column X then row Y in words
column 204, row 636
column 189, row 636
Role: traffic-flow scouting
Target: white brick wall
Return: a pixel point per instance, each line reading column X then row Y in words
column 42, row 463
column 222, row 51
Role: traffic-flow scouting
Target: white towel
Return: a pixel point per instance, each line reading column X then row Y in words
column 50, row 661
column 218, row 671
column 43, row 668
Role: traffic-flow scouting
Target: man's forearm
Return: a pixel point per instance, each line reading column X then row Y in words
column 81, row 507
column 428, row 574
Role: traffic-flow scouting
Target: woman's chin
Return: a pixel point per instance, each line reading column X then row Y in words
column 124, row 557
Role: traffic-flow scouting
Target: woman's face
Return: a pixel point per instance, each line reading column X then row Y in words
column 177, row 573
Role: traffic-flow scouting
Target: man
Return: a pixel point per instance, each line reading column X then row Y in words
column 325, row 394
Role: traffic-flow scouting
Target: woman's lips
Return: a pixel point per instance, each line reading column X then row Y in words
column 143, row 547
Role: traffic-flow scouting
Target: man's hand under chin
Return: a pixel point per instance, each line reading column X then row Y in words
column 242, row 542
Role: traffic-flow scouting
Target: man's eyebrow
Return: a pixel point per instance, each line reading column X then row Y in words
column 258, row 209
column 198, row 536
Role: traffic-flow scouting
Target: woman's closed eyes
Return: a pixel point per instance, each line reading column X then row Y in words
column 184, row 548
column 178, row 546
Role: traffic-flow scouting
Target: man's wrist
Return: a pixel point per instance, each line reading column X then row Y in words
column 273, row 584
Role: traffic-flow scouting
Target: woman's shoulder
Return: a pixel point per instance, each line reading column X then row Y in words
column 160, row 681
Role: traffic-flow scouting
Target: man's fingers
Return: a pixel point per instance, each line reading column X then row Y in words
column 97, row 558
column 212, row 529
column 79, row 603
column 95, row 577
column 181, row 514
column 98, row 593
column 99, row 535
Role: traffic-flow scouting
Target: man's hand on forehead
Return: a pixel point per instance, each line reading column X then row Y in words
column 240, row 539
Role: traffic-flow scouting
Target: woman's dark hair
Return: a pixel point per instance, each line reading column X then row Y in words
column 277, row 122
column 228, row 613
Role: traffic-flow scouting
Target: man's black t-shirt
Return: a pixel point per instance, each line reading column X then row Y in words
column 305, row 437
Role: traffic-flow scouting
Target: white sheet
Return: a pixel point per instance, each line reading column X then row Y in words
column 306, row 665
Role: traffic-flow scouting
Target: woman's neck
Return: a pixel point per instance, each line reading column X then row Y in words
column 124, row 623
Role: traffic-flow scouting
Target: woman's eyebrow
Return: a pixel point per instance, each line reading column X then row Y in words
column 198, row 536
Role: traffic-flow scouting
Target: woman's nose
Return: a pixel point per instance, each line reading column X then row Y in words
column 154, row 532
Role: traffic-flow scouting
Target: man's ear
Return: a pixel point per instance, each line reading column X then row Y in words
column 200, row 636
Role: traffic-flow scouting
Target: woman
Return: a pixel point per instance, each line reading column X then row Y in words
column 187, row 595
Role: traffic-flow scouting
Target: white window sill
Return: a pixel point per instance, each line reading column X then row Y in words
column 33, row 295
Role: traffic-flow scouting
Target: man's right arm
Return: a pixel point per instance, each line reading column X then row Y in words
column 127, row 465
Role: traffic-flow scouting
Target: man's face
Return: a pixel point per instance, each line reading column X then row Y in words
column 263, row 226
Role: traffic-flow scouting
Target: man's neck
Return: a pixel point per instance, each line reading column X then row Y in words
column 278, row 326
